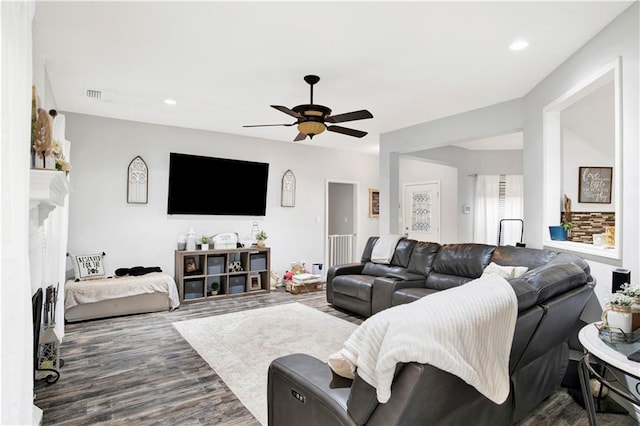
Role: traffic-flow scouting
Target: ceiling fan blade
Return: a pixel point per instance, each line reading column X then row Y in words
column 346, row 131
column 350, row 116
column 286, row 110
column 300, row 137
column 268, row 125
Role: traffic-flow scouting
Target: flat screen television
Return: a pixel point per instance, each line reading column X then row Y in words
column 201, row 185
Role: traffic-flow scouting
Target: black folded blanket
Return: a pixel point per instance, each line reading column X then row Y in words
column 137, row 270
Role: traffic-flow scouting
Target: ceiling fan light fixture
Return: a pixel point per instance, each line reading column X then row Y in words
column 311, row 128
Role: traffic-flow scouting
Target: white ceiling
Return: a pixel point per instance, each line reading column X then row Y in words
column 226, row 62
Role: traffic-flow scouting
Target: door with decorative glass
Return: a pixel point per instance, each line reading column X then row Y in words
column 421, row 211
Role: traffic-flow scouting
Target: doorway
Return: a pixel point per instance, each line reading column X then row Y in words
column 341, row 210
column 421, row 211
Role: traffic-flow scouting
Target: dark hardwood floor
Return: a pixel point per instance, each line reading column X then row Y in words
column 138, row 370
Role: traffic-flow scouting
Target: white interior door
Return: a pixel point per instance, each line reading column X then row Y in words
column 421, row 208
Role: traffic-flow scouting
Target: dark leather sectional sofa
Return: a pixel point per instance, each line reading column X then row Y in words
column 551, row 296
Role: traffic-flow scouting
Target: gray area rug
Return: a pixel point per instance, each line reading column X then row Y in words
column 240, row 346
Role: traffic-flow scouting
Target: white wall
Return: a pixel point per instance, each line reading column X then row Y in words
column 132, row 234
column 620, row 38
column 495, row 120
column 588, row 130
column 470, row 163
column 414, row 171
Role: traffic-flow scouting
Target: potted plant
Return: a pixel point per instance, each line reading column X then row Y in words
column 568, row 226
column 617, row 313
column 633, row 291
column 260, row 238
column 215, row 287
column 204, row 242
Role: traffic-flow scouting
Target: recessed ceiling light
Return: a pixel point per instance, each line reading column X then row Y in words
column 170, row 101
column 519, row 44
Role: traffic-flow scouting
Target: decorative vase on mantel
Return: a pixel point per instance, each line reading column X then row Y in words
column 261, row 244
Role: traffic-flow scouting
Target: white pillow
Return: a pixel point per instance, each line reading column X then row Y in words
column 88, row 266
column 505, row 272
column 519, row 270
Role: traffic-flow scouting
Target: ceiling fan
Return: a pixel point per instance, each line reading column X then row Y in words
column 312, row 119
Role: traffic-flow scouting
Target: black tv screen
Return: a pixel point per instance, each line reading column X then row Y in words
column 216, row 186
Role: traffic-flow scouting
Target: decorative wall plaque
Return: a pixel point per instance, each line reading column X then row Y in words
column 288, row 189
column 374, row 202
column 594, row 185
column 137, row 181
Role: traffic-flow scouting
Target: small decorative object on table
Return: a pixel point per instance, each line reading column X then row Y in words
column 204, row 242
column 616, row 323
column 610, row 236
column 235, row 266
column 633, row 291
column 261, row 238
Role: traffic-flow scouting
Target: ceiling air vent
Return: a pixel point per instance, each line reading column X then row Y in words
column 94, row 94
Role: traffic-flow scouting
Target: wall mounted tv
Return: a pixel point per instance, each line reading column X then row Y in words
column 216, row 186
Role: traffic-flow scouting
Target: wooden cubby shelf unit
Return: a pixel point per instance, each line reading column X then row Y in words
column 232, row 272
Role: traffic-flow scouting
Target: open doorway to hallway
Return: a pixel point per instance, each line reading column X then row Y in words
column 341, row 208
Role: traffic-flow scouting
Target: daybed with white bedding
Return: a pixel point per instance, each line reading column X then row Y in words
column 107, row 297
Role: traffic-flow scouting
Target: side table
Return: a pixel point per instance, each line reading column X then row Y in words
column 608, row 355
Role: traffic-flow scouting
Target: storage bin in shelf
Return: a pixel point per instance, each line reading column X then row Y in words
column 258, row 261
column 237, row 284
column 216, row 264
column 193, row 288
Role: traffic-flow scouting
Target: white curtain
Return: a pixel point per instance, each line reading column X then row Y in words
column 492, row 205
column 487, row 209
column 16, row 362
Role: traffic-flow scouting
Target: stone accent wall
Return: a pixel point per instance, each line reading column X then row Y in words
column 589, row 223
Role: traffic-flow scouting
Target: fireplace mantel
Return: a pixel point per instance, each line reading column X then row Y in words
column 48, row 189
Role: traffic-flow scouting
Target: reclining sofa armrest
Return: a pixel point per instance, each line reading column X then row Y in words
column 302, row 389
column 336, row 270
column 347, row 269
column 553, row 279
column 384, row 287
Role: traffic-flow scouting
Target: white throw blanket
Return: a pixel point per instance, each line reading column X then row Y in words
column 91, row 291
column 466, row 331
column 384, row 248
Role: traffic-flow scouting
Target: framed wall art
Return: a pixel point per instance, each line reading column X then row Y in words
column 190, row 265
column 137, row 181
column 594, row 185
column 255, row 282
column 288, row 189
column 374, row 202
